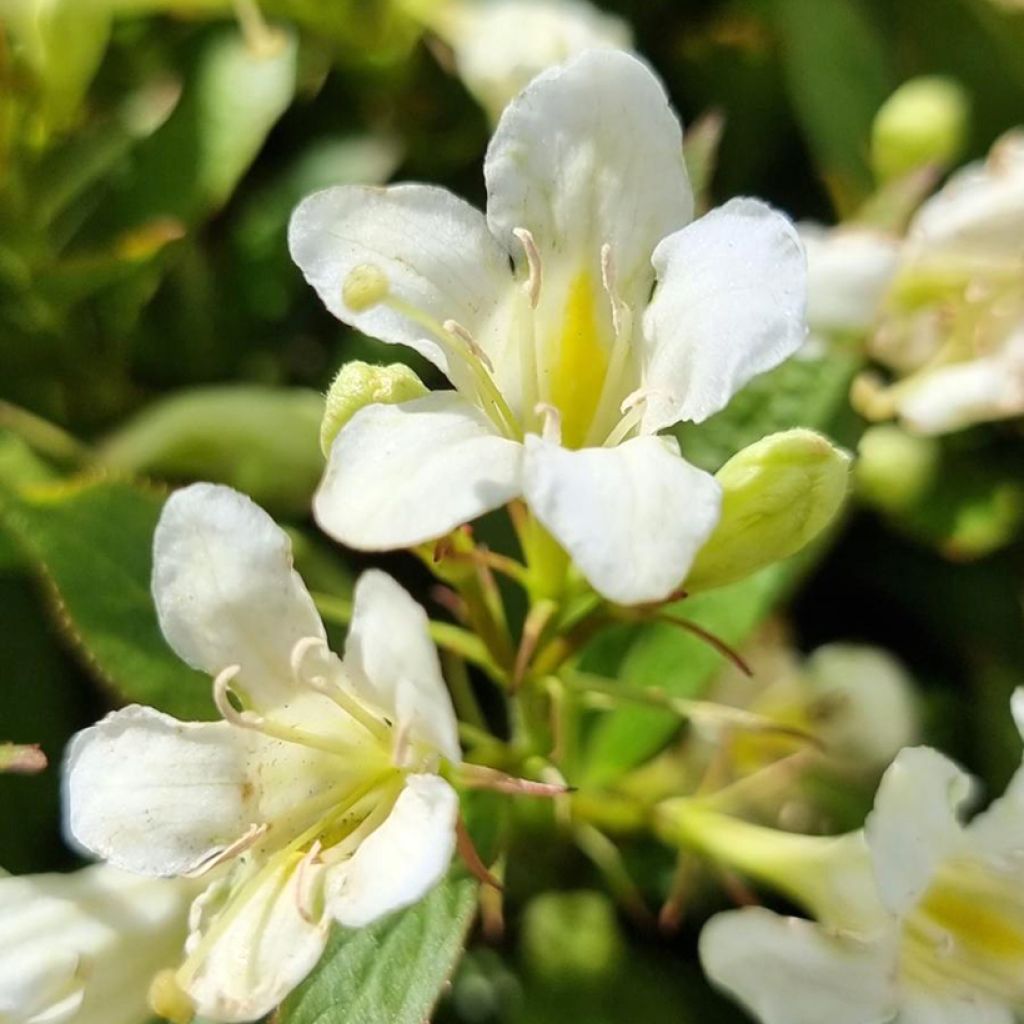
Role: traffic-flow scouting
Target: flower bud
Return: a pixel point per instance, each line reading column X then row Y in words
column 571, row 936
column 923, row 122
column 895, row 469
column 360, row 384
column 777, row 495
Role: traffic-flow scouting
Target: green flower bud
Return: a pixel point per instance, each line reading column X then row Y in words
column 923, row 122
column 777, row 496
column 360, row 384
column 895, row 469
column 571, row 936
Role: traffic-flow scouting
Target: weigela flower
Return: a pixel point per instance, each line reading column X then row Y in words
column 953, row 328
column 920, row 918
column 585, row 314
column 319, row 787
column 501, row 45
column 84, row 947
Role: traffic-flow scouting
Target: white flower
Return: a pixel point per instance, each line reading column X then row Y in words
column 920, row 921
column 83, row 947
column 501, row 45
column 564, row 364
column 955, row 326
column 319, row 784
column 849, row 269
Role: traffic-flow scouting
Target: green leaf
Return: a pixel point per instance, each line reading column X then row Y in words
column 680, row 664
column 263, row 441
column 392, row 972
column 838, row 76
column 91, row 540
column 191, row 165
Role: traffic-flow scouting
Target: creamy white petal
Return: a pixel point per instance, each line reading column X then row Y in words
column 84, row 946
column 790, row 971
column 998, row 831
column 392, row 663
column 959, row 395
column 271, row 942
column 401, row 860
column 979, row 212
column 729, row 305
column 399, row 475
column 926, row 1008
column 632, row 517
column 848, row 272
column 154, row 795
column 500, row 46
column 588, row 154
column 434, row 249
column 914, row 825
column 226, row 592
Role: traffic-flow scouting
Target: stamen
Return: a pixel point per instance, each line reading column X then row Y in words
column 533, row 263
column 460, row 332
column 632, row 409
column 551, row 418
column 400, row 753
column 232, row 850
column 332, row 689
column 222, row 701
column 608, row 281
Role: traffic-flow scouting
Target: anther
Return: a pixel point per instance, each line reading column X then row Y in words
column 460, row 332
column 365, row 286
column 298, row 657
column 633, row 399
column 533, row 263
column 551, row 428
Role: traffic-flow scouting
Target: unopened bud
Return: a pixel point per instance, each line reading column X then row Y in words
column 923, row 122
column 571, row 936
column 365, row 287
column 167, row 999
column 895, row 469
column 360, row 384
column 777, row 495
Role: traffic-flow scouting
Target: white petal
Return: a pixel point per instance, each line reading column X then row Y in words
column 999, row 829
column 979, row 211
column 225, row 590
column 914, row 826
column 154, row 795
column 84, row 946
column 400, row 861
column 729, row 305
column 502, row 45
column 952, row 397
column 632, row 517
column 268, row 947
column 393, row 664
column 848, row 272
column 399, row 475
column 789, row 971
column 929, row 1008
column 588, row 154
column 433, row 248
column 872, row 703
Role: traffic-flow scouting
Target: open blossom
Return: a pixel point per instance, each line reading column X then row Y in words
column 501, row 45
column 920, row 919
column 319, row 787
column 83, row 948
column 582, row 316
column 953, row 329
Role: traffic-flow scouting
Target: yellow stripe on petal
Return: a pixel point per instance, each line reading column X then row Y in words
column 582, row 362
